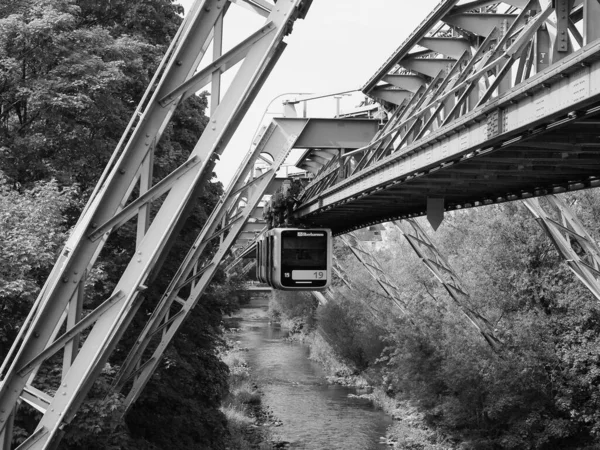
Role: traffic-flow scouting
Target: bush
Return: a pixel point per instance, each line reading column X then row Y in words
column 296, row 309
column 355, row 338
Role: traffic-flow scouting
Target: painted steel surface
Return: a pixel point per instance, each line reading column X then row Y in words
column 487, row 102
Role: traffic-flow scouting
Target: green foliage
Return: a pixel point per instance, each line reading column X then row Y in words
column 32, row 230
column 354, row 337
column 65, row 88
column 183, row 396
column 539, row 391
column 296, row 309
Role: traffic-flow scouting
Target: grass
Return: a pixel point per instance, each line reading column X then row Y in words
column 241, row 405
column 235, row 417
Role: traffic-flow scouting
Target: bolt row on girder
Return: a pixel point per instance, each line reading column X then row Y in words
column 56, row 321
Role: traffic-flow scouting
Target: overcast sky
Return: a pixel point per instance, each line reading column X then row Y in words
column 338, row 46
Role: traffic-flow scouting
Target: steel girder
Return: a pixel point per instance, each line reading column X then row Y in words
column 333, row 293
column 572, row 241
column 55, row 322
column 474, row 81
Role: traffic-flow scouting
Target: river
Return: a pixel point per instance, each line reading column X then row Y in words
column 315, row 415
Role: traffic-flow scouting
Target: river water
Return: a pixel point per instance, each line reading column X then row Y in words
column 315, row 415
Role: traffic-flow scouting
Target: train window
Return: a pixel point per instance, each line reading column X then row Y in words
column 259, row 261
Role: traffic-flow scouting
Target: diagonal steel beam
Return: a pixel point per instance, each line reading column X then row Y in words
column 376, row 271
column 278, row 142
column 439, row 267
column 571, row 239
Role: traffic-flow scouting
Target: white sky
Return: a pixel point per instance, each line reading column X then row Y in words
column 337, row 47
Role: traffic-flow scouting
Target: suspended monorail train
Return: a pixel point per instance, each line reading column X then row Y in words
column 294, row 258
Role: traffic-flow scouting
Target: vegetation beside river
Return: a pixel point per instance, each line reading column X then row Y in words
column 72, row 74
column 409, row 429
column 249, row 422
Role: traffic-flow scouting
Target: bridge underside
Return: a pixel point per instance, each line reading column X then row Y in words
column 540, row 138
column 486, row 102
column 563, row 158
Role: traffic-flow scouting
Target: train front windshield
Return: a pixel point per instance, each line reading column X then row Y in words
column 304, row 258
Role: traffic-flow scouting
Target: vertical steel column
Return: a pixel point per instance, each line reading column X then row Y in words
column 75, row 309
column 146, row 173
column 215, row 94
column 573, row 242
column 591, row 19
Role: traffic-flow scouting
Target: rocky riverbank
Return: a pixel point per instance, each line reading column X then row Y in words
column 249, row 421
column 408, row 430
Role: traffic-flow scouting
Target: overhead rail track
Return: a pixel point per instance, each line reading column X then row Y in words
column 487, row 102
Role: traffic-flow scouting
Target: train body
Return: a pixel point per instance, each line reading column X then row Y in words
column 294, row 258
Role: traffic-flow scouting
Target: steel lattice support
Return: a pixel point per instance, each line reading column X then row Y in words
column 375, row 270
column 378, row 315
column 235, row 219
column 55, row 323
column 569, row 236
column 439, row 267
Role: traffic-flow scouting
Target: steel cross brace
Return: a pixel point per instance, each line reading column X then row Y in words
column 232, row 212
column 129, row 164
column 571, row 239
column 375, row 270
column 438, row 265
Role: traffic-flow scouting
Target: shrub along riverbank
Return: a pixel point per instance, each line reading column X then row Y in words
column 296, row 312
column 538, row 391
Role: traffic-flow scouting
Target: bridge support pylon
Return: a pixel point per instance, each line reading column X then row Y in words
column 54, row 323
column 438, row 265
column 372, row 265
column 572, row 241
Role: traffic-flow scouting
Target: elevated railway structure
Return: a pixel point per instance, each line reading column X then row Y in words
column 486, row 102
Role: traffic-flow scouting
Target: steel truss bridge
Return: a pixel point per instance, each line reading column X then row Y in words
column 486, row 102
